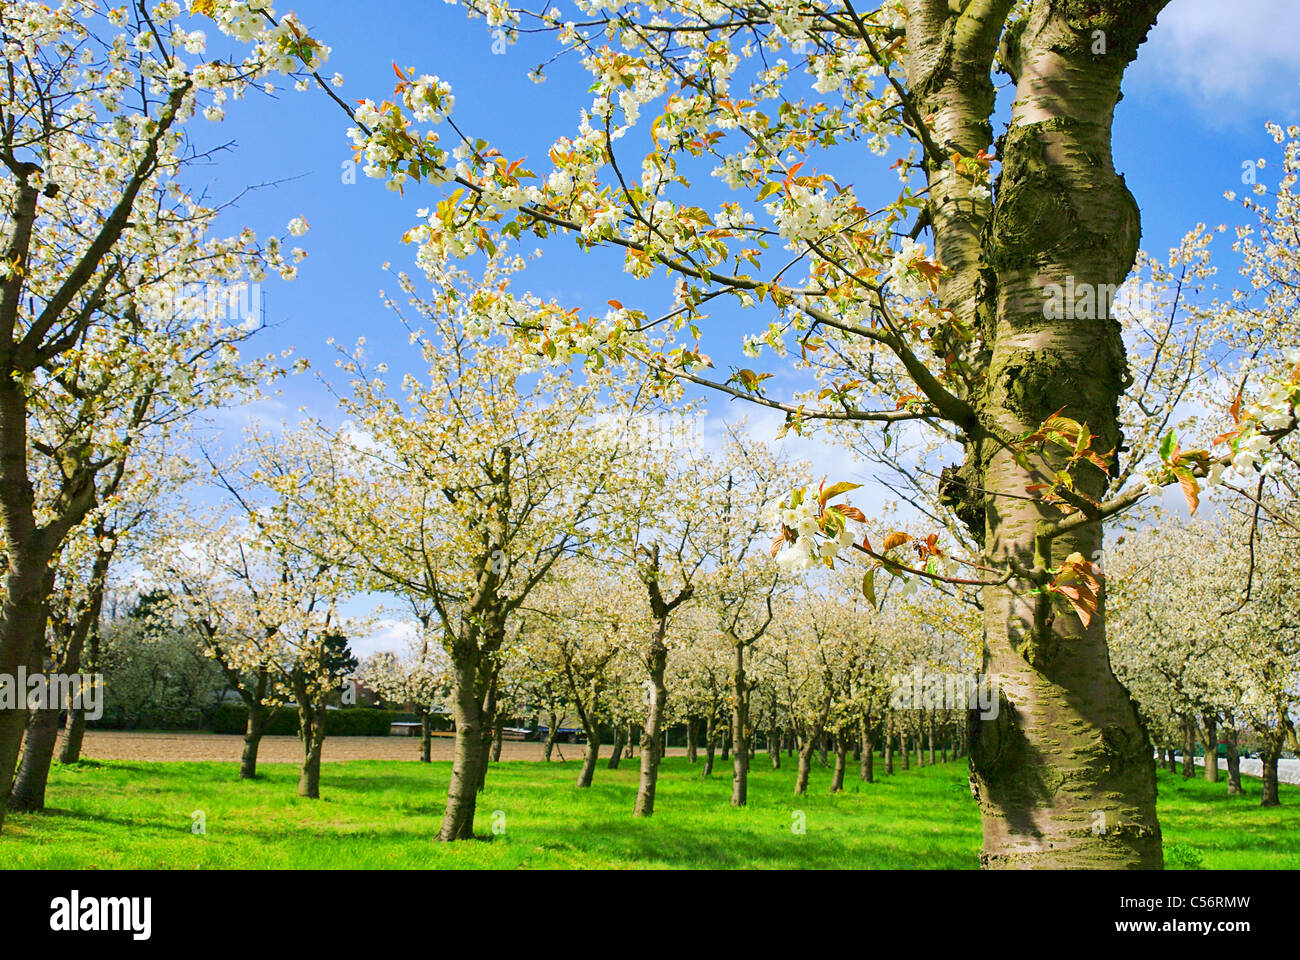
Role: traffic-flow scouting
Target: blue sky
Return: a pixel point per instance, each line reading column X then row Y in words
column 1193, row 113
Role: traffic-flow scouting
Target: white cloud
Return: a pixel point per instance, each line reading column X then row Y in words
column 1234, row 62
column 386, row 634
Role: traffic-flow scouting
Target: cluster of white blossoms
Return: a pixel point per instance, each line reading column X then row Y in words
column 806, row 214
column 817, row 540
column 904, row 278
column 1273, row 411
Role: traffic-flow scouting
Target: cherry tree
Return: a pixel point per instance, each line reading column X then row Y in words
column 99, row 240
column 463, row 491
column 954, row 332
column 260, row 582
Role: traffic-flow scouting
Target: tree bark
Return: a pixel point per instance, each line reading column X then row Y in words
column 710, row 744
column 311, row 731
column 1067, row 741
column 426, row 736
column 657, row 664
column 253, row 731
column 1268, row 758
column 866, row 767
column 692, row 737
column 589, row 758
column 1189, row 749
column 740, row 728
column 889, row 742
column 462, row 792
column 74, row 736
column 841, row 761
column 620, row 738
column 1234, row 759
column 1211, row 749
column 38, row 754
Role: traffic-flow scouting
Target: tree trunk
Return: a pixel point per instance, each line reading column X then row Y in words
column 74, row 736
column 253, row 731
column 23, row 615
column 740, row 729
column 38, row 753
column 1211, row 749
column 804, row 768
column 462, row 792
column 841, row 761
column 692, row 736
column 620, row 738
column 591, row 756
column 1269, row 757
column 426, row 736
column 488, row 719
column 1189, row 749
column 1067, row 741
column 498, row 738
column 1234, row 759
column 311, row 731
column 889, row 742
column 657, row 664
column 710, row 744
column 552, row 731
column 866, row 768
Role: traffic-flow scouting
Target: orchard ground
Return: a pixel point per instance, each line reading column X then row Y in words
column 385, row 813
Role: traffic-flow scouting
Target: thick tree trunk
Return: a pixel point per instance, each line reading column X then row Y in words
column 1189, row 750
column 253, row 731
column 692, row 738
column 1067, row 742
column 27, row 583
column 311, row 731
column 462, row 792
column 657, row 664
column 38, row 754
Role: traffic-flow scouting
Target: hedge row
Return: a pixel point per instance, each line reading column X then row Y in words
column 350, row 722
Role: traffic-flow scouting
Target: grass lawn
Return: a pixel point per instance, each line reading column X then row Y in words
column 384, row 814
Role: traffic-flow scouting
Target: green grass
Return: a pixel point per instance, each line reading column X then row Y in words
column 384, row 814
